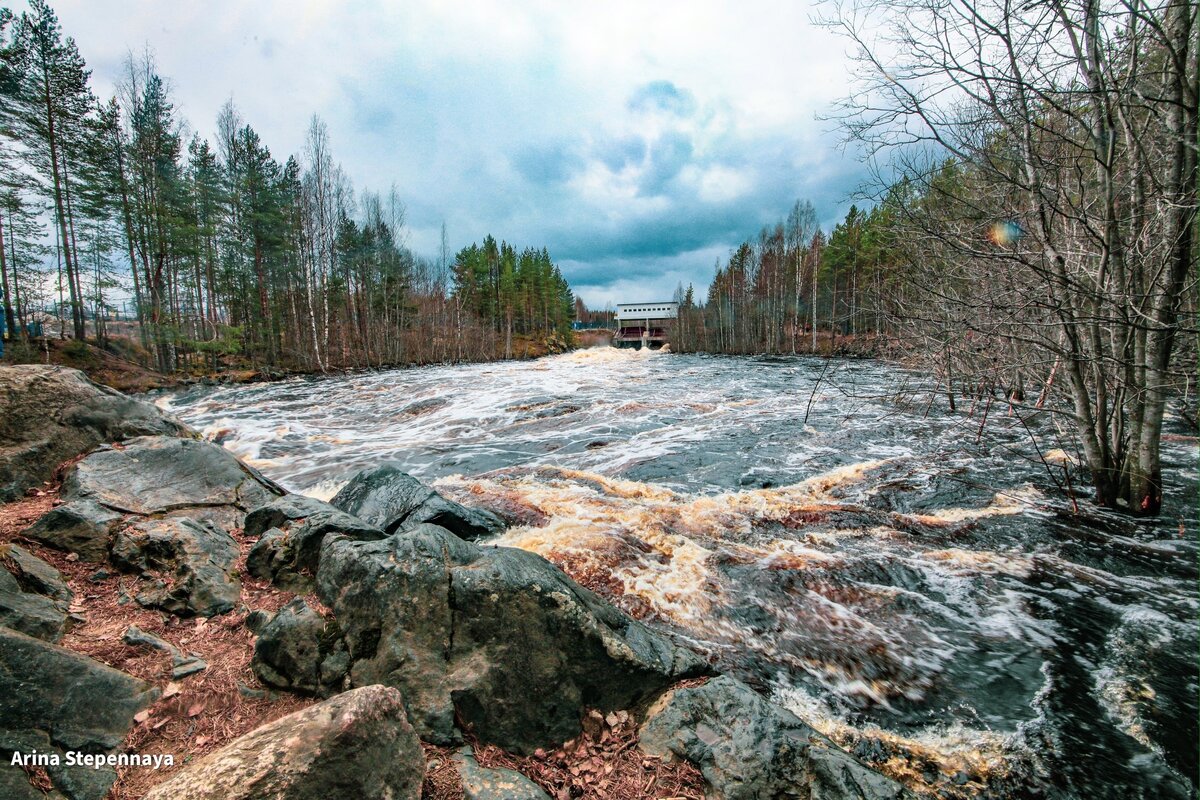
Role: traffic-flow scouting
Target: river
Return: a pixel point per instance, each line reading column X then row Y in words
column 911, row 582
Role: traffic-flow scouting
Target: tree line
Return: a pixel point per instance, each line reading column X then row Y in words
column 796, row 289
column 225, row 253
column 1037, row 236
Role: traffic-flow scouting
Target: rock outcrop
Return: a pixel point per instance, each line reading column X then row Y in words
column 153, row 475
column 388, row 498
column 187, row 566
column 301, row 651
column 33, row 574
column 33, row 597
column 499, row 638
column 290, row 530
column 355, row 745
column 750, row 749
column 161, row 507
column 53, row 700
column 83, row 527
column 51, row 414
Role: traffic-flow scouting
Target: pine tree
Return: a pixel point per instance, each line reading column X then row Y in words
column 52, row 100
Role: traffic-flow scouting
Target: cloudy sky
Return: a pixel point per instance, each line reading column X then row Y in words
column 638, row 141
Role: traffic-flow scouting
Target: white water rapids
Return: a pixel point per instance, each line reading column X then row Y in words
column 909, row 582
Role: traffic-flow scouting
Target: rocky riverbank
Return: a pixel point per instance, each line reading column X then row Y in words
column 160, row 597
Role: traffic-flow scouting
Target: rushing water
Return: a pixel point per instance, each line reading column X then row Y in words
column 909, row 581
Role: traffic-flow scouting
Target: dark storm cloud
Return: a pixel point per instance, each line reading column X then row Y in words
column 671, row 153
column 546, row 164
column 621, row 140
column 620, row 152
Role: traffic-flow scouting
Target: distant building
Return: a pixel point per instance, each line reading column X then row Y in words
column 644, row 324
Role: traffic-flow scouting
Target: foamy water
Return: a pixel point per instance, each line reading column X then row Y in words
column 922, row 598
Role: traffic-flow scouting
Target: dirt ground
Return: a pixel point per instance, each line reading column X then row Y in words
column 200, row 713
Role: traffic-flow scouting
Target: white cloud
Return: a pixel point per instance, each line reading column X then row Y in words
column 516, row 118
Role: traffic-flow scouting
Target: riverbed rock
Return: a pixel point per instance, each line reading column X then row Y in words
column 481, row 783
column 393, row 500
column 301, row 651
column 498, row 637
column 750, row 749
column 49, row 414
column 290, row 530
column 54, row 700
column 355, row 745
column 157, row 475
column 83, row 527
column 188, row 565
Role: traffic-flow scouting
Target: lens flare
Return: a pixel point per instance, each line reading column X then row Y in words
column 1005, row 233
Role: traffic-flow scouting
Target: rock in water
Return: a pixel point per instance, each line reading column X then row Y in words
column 481, row 783
column 83, row 527
column 300, row 650
column 290, row 530
column 189, row 562
column 497, row 636
column 50, row 414
column 54, row 700
column 356, row 745
column 750, row 749
column 393, row 500
column 157, row 475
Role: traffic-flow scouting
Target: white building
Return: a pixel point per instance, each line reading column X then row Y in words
column 644, row 324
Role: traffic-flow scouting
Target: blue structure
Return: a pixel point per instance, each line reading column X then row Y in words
column 32, row 329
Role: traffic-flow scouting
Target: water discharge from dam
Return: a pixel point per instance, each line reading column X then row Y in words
column 909, row 582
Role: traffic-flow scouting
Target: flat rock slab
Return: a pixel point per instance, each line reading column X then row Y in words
column 50, row 414
column 750, row 749
column 157, row 474
column 54, row 700
column 393, row 500
column 481, row 783
column 357, row 745
column 498, row 637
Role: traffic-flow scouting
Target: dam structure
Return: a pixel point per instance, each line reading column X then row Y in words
column 645, row 325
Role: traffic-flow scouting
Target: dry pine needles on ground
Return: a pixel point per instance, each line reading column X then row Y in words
column 200, row 713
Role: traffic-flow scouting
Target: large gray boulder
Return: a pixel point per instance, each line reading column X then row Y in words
column 499, row 638
column 302, row 651
column 50, row 414
column 393, row 500
column 750, row 749
column 355, row 745
column 177, row 499
column 153, row 475
column 83, row 527
column 53, row 700
column 290, row 530
column 188, row 565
